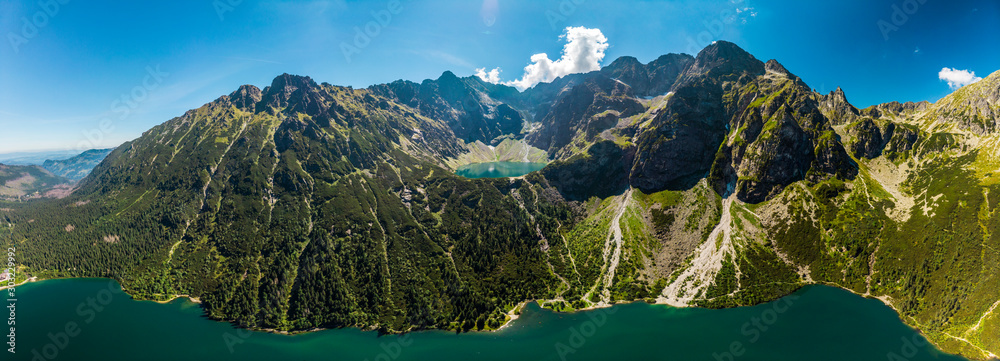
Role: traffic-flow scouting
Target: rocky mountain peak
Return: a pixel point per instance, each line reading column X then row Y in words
column 246, row 97
column 668, row 59
column 466, row 105
column 988, row 88
column 287, row 83
column 836, row 107
column 623, row 62
column 448, row 76
column 452, row 87
column 775, row 66
column 837, row 96
column 287, row 90
column 665, row 70
column 655, row 78
column 630, row 71
column 727, row 58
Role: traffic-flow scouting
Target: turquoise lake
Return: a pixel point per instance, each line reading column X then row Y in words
column 815, row 323
column 498, row 169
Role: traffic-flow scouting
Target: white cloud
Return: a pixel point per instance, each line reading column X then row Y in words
column 750, row 13
column 582, row 53
column 958, row 78
column 493, row 76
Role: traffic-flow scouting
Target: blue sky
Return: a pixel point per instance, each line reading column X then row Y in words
column 97, row 73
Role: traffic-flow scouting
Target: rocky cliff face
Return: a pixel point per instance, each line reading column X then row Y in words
column 776, row 132
column 467, row 105
column 602, row 172
column 680, row 144
column 894, row 109
column 647, row 80
column 836, row 107
column 587, row 104
column 782, row 137
column 873, row 138
column 586, row 109
column 246, row 97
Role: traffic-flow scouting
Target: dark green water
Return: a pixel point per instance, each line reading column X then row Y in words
column 498, row 169
column 817, row 323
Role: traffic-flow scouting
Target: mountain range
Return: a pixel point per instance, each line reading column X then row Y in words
column 77, row 167
column 715, row 180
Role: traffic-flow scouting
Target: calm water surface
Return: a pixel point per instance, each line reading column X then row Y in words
column 498, row 169
column 816, row 323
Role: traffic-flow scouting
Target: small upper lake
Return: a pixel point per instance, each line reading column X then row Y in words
column 498, row 169
column 816, row 323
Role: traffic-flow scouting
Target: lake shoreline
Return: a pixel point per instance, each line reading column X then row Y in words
column 515, row 312
column 32, row 279
column 887, row 300
column 175, row 297
column 539, row 327
column 497, row 170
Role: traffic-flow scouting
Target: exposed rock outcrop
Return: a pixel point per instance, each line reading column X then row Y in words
column 588, row 108
column 246, row 97
column 465, row 104
column 873, row 138
column 777, row 133
column 655, row 78
column 836, row 107
column 601, row 172
column 974, row 107
column 894, row 109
